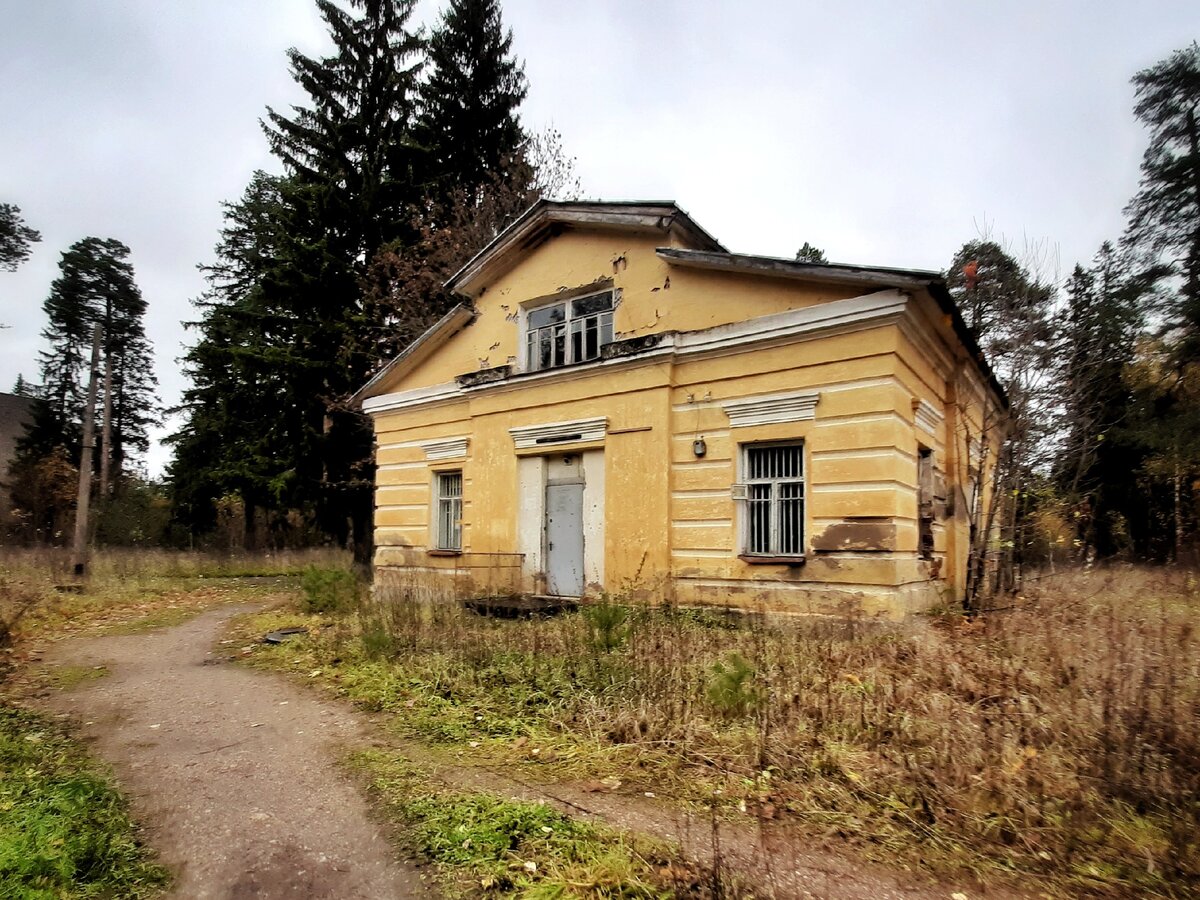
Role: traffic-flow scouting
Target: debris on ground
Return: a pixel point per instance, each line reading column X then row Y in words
column 282, row 634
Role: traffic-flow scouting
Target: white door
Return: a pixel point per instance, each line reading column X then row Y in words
column 564, row 539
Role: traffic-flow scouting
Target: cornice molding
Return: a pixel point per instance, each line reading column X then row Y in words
column 446, row 448
column 528, row 437
column 772, row 409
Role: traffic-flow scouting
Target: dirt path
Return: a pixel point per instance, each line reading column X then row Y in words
column 231, row 771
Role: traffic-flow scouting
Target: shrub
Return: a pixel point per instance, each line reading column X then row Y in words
column 329, row 590
column 731, row 687
column 607, row 626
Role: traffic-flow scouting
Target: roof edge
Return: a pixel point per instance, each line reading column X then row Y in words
column 845, row 273
column 664, row 215
column 445, row 327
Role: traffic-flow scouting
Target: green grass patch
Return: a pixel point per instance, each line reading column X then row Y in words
column 499, row 845
column 64, row 830
column 67, row 678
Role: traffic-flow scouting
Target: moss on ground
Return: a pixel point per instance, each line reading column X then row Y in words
column 481, row 841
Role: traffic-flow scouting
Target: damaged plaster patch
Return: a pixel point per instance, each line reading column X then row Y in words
column 634, row 345
column 870, row 534
column 484, row 376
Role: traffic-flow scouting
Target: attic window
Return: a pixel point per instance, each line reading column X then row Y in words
column 569, row 332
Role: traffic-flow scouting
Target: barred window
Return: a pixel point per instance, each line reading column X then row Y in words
column 568, row 332
column 773, row 497
column 448, row 487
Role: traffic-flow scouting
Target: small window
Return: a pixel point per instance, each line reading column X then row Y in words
column 773, row 497
column 448, row 486
column 568, row 332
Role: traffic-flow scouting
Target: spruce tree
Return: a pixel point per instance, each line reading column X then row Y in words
column 1103, row 319
column 469, row 123
column 1164, row 215
column 284, row 335
column 1164, row 226
column 247, row 432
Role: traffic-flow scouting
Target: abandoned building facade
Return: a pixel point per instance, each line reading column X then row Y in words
column 620, row 404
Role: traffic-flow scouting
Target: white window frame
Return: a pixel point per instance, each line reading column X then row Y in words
column 570, row 324
column 447, row 510
column 744, row 489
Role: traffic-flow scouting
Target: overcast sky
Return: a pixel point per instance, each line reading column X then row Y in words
column 884, row 132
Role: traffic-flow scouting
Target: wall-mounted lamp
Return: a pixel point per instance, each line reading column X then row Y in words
column 699, row 447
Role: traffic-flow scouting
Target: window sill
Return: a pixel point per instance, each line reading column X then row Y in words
column 756, row 560
column 443, row 553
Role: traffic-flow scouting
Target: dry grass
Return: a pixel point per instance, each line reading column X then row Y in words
column 129, row 589
column 1058, row 739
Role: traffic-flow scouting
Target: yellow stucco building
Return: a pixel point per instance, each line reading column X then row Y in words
column 620, row 404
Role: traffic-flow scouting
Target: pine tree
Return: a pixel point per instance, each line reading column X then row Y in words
column 469, row 123
column 95, row 286
column 1164, row 215
column 15, row 238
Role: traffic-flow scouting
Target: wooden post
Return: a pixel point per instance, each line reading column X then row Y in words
column 79, row 550
column 106, row 428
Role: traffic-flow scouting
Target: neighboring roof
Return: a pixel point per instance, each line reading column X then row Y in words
column 530, row 229
column 420, row 349
column 844, row 273
column 15, row 413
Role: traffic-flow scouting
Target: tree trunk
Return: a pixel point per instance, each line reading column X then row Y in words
column 1177, row 490
column 249, row 526
column 106, row 430
column 79, row 548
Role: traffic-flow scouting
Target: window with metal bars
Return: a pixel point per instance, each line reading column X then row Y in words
column 772, row 494
column 448, row 490
column 925, row 499
column 569, row 332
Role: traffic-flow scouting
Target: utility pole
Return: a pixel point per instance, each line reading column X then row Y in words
column 79, row 550
column 106, row 427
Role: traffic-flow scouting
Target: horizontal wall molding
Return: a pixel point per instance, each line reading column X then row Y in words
column 446, row 448
column 552, row 434
column 773, row 409
column 837, row 316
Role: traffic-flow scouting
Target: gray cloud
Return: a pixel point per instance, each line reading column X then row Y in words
column 882, row 132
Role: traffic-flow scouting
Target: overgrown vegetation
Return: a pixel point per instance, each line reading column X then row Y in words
column 64, row 831
column 1055, row 739
column 128, row 590
column 481, row 840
